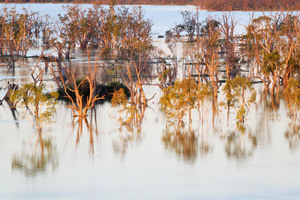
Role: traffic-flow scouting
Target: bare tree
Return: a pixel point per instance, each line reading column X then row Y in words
column 209, row 48
column 228, row 24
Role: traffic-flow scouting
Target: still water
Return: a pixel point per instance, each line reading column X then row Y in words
column 100, row 159
column 105, row 161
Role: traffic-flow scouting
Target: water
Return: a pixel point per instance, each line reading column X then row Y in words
column 119, row 164
column 112, row 163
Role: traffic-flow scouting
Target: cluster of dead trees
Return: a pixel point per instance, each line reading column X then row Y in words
column 119, row 32
column 269, row 49
column 19, row 32
column 118, row 40
column 268, row 52
column 113, row 39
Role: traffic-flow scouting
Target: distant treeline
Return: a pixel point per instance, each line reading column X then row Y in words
column 205, row 4
column 252, row 4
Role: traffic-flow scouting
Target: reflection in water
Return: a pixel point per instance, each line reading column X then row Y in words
column 205, row 146
column 14, row 113
column 270, row 104
column 6, row 97
column 184, row 143
column 268, row 112
column 91, row 126
column 131, row 115
column 240, row 144
column 292, row 134
column 130, row 129
column 34, row 162
column 120, row 144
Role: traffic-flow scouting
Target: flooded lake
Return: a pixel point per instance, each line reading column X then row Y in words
column 101, row 159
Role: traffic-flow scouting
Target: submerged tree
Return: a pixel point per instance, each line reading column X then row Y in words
column 35, row 103
column 79, row 105
column 20, row 31
column 292, row 95
column 274, row 41
column 289, row 46
column 209, row 51
column 136, row 107
column 240, row 95
column 232, row 60
column 118, row 34
column 189, row 24
column 179, row 99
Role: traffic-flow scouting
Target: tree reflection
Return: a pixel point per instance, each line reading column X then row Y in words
column 91, row 126
column 292, row 134
column 39, row 160
column 131, row 114
column 10, row 87
column 204, row 146
column 120, row 145
column 269, row 103
column 240, row 144
column 184, row 143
